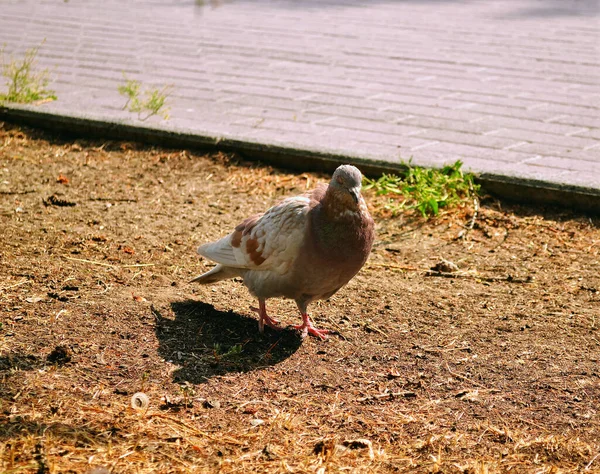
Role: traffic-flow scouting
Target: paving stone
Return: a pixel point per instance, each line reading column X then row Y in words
column 508, row 87
column 544, row 149
column 575, row 120
column 593, row 133
column 497, row 122
column 442, row 123
column 473, row 139
column 349, row 123
column 569, row 164
column 399, row 142
column 425, row 111
column 572, row 141
column 455, row 151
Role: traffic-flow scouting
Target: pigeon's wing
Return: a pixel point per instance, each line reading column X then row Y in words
column 270, row 241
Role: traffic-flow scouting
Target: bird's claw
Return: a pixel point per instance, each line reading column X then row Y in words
column 306, row 329
column 265, row 319
column 268, row 319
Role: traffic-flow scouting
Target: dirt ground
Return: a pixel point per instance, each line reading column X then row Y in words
column 494, row 368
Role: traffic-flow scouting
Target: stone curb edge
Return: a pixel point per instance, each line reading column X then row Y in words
column 516, row 189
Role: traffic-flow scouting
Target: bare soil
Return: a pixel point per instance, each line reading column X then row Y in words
column 492, row 368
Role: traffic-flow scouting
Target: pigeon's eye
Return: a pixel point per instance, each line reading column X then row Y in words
column 340, row 180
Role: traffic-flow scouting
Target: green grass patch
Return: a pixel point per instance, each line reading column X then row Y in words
column 146, row 103
column 426, row 190
column 26, row 83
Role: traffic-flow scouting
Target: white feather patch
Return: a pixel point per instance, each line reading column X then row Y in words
column 278, row 235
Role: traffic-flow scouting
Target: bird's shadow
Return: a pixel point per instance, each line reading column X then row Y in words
column 206, row 342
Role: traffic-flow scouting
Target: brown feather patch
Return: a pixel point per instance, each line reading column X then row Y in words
column 253, row 252
column 236, row 238
column 243, row 229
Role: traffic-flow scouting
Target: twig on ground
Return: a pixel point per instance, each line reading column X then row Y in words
column 250, row 402
column 502, row 241
column 94, row 262
column 508, row 278
column 463, row 233
column 369, row 327
column 223, row 439
column 15, row 285
column 466, row 379
column 90, row 261
column 529, row 422
column 396, row 267
column 390, row 395
column 589, row 464
column 18, row 192
column 180, row 461
column 106, row 287
column 113, row 199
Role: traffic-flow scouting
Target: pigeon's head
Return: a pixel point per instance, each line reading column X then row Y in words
column 347, row 181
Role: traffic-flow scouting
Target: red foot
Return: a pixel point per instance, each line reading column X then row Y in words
column 264, row 318
column 307, row 328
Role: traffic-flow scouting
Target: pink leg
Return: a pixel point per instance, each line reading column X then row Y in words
column 264, row 318
column 307, row 328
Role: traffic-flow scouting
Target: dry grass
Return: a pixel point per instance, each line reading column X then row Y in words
column 98, row 433
column 492, row 371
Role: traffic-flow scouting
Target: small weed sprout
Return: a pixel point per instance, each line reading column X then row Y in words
column 424, row 189
column 25, row 82
column 131, row 90
column 145, row 377
column 188, row 393
column 233, row 351
column 153, row 101
column 156, row 100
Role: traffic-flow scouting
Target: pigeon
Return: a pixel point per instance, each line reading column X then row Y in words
column 305, row 248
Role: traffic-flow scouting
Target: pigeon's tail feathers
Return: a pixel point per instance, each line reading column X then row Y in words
column 220, row 251
column 218, row 273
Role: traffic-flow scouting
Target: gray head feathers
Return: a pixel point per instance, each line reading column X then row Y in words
column 349, row 179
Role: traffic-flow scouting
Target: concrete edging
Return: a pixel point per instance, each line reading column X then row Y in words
column 521, row 190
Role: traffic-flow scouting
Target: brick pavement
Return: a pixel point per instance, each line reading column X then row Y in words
column 510, row 87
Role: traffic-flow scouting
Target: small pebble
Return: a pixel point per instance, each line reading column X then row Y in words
column 212, row 403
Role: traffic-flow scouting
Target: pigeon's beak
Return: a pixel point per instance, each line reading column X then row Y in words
column 355, row 193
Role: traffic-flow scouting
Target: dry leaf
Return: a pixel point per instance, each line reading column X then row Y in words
column 62, row 179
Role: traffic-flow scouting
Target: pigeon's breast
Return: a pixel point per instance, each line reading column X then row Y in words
column 331, row 256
